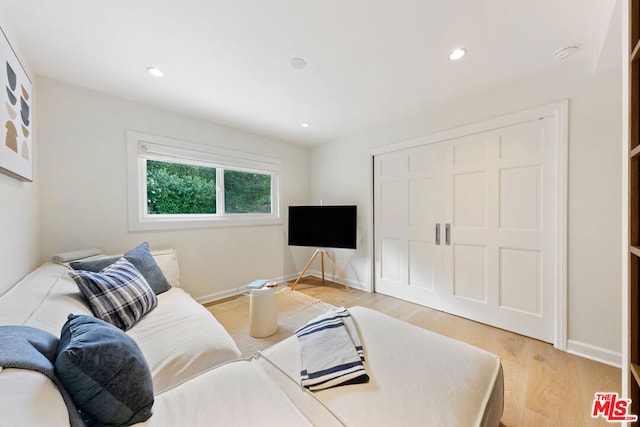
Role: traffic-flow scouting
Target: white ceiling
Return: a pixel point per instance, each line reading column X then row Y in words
column 368, row 62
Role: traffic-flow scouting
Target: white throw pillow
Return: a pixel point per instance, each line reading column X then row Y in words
column 167, row 260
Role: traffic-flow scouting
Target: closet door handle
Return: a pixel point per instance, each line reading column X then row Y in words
column 447, row 234
column 438, row 234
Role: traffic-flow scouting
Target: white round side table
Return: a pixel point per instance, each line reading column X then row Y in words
column 263, row 315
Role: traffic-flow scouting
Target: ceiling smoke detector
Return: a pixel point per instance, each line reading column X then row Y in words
column 565, row 52
column 298, row 63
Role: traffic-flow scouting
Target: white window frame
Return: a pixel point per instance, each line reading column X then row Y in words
column 142, row 147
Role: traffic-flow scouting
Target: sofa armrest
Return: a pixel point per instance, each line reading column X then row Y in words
column 30, row 399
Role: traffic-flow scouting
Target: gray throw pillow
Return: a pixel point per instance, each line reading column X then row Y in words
column 104, row 371
column 141, row 258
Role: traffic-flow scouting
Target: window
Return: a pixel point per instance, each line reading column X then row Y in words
column 177, row 184
column 179, row 189
column 246, row 192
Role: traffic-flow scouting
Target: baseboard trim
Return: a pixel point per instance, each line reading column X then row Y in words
column 334, row 278
column 205, row 299
column 595, row 353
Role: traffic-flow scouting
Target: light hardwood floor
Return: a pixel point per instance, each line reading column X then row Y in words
column 543, row 386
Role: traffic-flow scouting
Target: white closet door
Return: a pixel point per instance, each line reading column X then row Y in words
column 408, row 205
column 500, row 201
column 494, row 195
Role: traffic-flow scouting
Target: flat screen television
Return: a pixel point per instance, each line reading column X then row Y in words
column 323, row 226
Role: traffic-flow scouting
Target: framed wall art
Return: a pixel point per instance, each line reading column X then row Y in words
column 16, row 146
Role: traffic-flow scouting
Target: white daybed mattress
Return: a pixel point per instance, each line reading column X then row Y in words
column 196, row 341
column 238, row 394
column 417, row 378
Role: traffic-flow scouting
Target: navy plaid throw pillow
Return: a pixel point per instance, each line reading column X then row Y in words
column 118, row 294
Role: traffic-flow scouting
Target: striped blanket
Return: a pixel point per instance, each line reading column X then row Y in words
column 331, row 352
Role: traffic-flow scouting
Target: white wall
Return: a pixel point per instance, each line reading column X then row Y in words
column 84, row 188
column 340, row 171
column 19, row 229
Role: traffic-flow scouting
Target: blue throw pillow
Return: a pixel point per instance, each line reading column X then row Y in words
column 104, row 371
column 118, row 294
column 140, row 257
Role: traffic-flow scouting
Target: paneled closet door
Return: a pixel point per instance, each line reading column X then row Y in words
column 499, row 198
column 408, row 230
column 493, row 197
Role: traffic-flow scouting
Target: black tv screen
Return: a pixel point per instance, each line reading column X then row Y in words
column 323, row 226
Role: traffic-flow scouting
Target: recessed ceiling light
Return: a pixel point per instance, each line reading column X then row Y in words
column 457, row 54
column 298, row 63
column 305, row 125
column 154, row 71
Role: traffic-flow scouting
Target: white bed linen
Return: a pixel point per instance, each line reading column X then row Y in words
column 30, row 399
column 235, row 394
column 417, row 377
column 43, row 299
column 179, row 338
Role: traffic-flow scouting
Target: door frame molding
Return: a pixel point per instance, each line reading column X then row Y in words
column 559, row 111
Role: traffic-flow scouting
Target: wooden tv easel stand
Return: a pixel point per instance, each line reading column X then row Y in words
column 322, row 253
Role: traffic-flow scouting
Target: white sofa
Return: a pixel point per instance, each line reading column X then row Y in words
column 417, row 377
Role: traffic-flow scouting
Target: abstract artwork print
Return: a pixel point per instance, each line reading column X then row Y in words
column 16, row 146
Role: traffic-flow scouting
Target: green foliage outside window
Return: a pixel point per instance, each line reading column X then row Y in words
column 180, row 189
column 186, row 189
column 247, row 192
